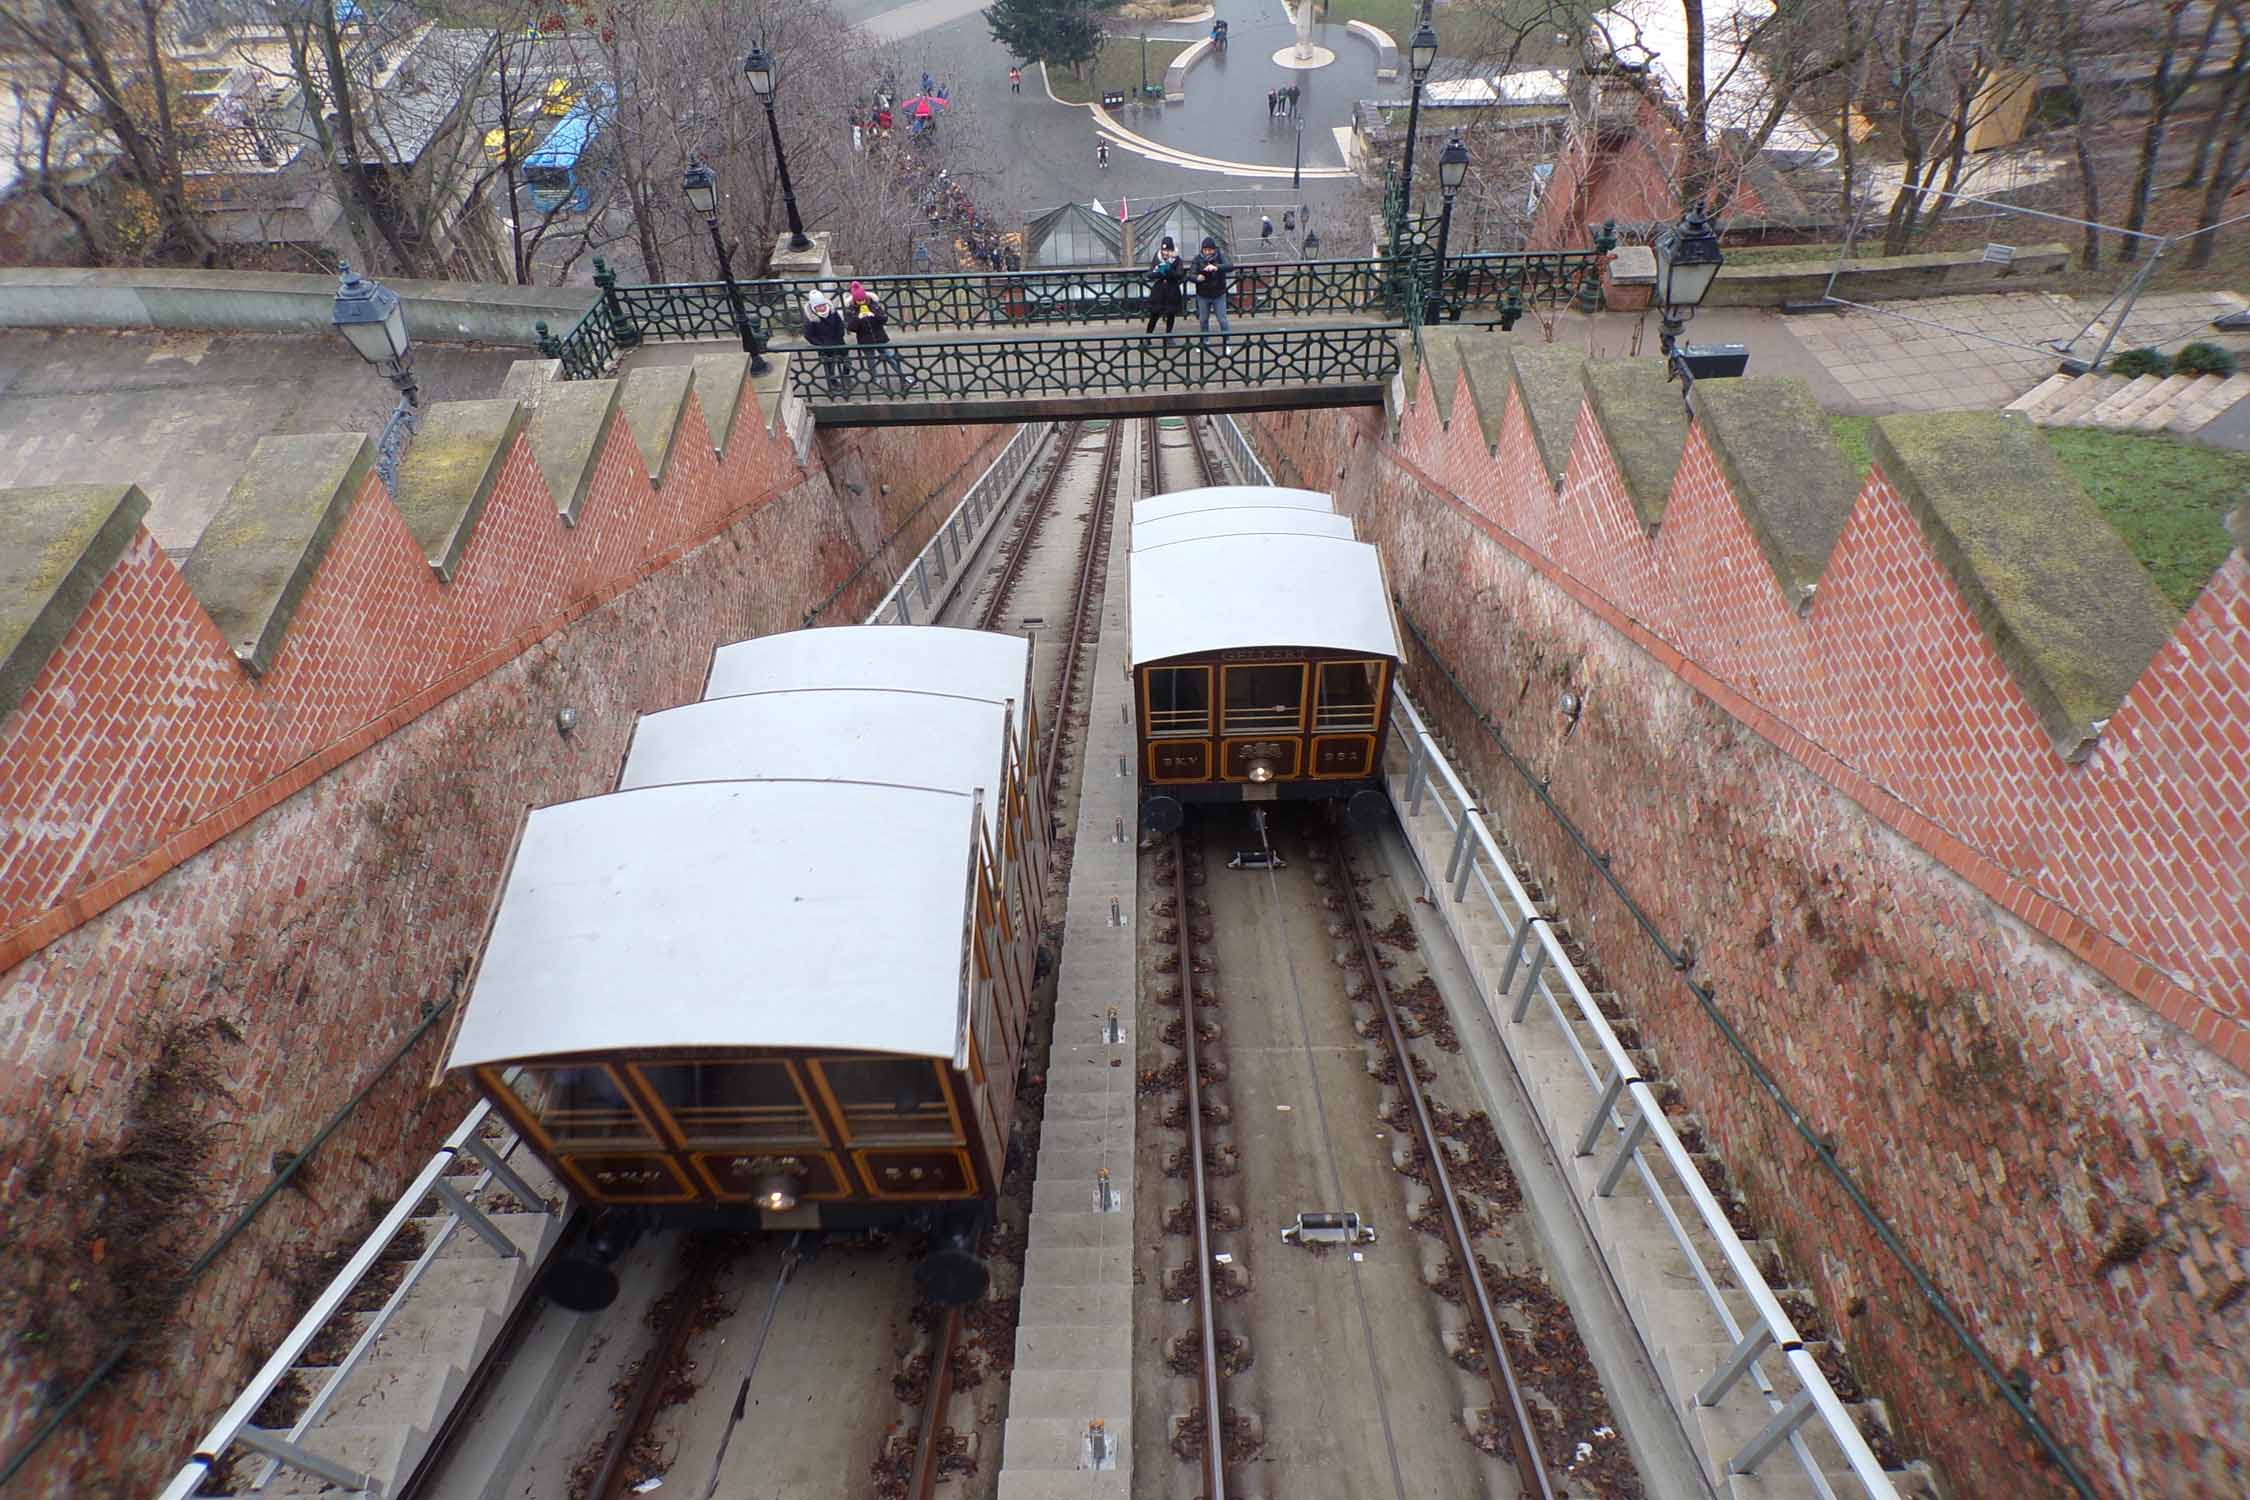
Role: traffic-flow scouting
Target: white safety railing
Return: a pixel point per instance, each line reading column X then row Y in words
column 1538, row 981
column 461, row 1208
column 1238, row 452
column 926, row 584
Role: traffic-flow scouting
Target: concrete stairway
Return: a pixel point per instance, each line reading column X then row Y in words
column 2178, row 404
column 388, row 1410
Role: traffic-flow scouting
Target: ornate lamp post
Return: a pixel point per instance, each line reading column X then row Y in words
column 701, row 185
column 1687, row 262
column 758, row 68
column 1452, row 171
column 1421, row 56
column 1312, row 244
column 371, row 319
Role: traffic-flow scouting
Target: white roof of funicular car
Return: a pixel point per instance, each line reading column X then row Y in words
column 1225, row 593
column 973, row 663
column 824, row 914
column 827, row 734
column 1157, row 507
column 1237, row 520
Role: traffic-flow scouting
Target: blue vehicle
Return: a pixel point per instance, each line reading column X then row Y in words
column 557, row 173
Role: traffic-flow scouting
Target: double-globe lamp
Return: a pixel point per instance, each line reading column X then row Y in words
column 1421, row 56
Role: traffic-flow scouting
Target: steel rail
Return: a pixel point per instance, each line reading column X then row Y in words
column 922, row 1481
column 1498, row 1370
column 655, row 1373
column 1034, row 517
column 1214, row 1421
column 1090, row 556
column 1204, row 468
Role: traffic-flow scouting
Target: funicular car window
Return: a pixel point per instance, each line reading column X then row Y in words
column 892, row 1098
column 731, row 1100
column 1265, row 698
column 1347, row 695
column 1179, row 700
column 581, row 1105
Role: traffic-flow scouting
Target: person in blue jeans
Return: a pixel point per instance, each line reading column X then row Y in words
column 1210, row 273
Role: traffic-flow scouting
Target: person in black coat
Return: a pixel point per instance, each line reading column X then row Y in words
column 824, row 330
column 1210, row 272
column 866, row 317
column 1166, row 276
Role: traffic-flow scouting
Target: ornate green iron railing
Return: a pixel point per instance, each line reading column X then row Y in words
column 1097, row 363
column 625, row 316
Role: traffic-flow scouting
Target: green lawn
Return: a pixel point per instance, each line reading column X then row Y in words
column 2169, row 498
column 1117, row 67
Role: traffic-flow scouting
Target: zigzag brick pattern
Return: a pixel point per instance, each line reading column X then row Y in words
column 308, row 858
column 2002, row 986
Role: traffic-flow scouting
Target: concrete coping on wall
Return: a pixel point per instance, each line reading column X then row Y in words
column 273, row 302
column 718, row 389
column 1386, row 49
column 1937, row 274
column 255, row 560
column 2073, row 614
column 57, row 543
column 654, row 400
column 565, row 423
column 1645, row 424
column 449, row 472
column 1547, row 381
column 1176, row 71
column 1778, row 450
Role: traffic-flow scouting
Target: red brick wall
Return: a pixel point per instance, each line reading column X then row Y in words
column 1630, row 177
column 2007, row 989
column 311, row 855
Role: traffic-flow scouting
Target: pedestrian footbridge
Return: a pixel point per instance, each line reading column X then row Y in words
column 1041, row 345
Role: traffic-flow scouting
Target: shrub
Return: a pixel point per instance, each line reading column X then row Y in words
column 2203, row 359
column 2140, row 362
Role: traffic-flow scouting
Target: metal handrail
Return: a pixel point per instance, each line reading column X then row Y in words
column 1626, row 1107
column 929, row 576
column 623, row 317
column 1063, row 366
column 234, row 1425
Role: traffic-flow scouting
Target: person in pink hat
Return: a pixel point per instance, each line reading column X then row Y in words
column 865, row 317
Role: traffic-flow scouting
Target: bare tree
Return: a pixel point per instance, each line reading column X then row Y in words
column 114, row 71
column 2168, row 85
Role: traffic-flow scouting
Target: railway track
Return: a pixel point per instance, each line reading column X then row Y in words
column 1508, row 1397
column 1019, row 545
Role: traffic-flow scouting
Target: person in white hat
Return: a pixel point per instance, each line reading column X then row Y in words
column 824, row 330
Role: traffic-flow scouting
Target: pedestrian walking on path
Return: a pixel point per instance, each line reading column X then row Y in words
column 1015, row 80
column 1211, row 290
column 1165, row 277
column 1265, row 229
column 1101, row 155
column 824, row 330
column 1273, row 100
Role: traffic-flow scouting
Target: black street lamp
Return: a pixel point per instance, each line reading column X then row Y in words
column 1312, row 244
column 701, row 185
column 371, row 319
column 1297, row 161
column 758, row 68
column 1452, row 171
column 1421, row 56
column 1687, row 262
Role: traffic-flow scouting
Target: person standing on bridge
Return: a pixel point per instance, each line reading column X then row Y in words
column 1165, row 278
column 1211, row 290
column 824, row 330
column 866, row 317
